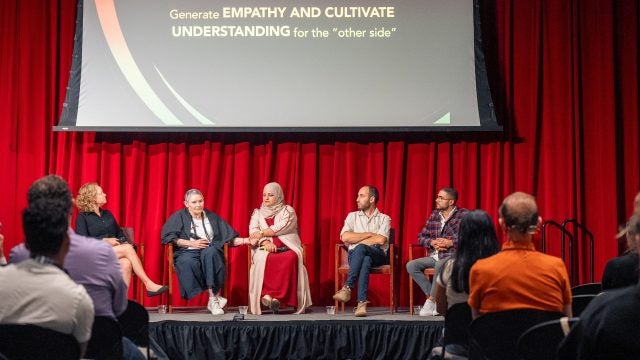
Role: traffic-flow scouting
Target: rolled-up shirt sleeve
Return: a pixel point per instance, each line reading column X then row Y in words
column 385, row 227
column 349, row 223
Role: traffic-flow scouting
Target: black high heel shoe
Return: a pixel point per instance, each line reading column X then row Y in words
column 157, row 292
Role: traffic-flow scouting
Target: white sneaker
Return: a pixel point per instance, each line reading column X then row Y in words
column 214, row 306
column 222, row 301
column 428, row 309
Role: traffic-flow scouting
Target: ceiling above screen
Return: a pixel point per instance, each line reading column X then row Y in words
column 203, row 65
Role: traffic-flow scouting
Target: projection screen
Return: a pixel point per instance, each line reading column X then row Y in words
column 277, row 65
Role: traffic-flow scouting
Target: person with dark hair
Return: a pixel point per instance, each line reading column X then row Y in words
column 98, row 223
column 519, row 277
column 476, row 240
column 440, row 236
column 366, row 233
column 198, row 236
column 623, row 270
column 608, row 327
column 37, row 291
column 90, row 263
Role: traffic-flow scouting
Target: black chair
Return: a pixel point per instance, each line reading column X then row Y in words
column 541, row 341
column 134, row 323
column 456, row 325
column 456, row 332
column 35, row 342
column 580, row 302
column 106, row 339
column 587, row 289
column 495, row 335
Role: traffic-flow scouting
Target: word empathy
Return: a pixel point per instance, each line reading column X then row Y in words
column 265, row 12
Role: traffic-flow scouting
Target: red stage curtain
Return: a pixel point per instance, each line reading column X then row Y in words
column 565, row 76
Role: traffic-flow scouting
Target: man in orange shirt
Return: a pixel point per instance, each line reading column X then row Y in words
column 519, row 277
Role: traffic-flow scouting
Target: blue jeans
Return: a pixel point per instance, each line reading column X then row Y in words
column 361, row 259
column 416, row 267
column 130, row 351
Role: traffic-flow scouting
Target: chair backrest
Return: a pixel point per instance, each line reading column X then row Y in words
column 134, row 322
column 106, row 339
column 495, row 335
column 456, row 324
column 541, row 341
column 128, row 234
column 35, row 342
column 580, row 302
column 587, row 289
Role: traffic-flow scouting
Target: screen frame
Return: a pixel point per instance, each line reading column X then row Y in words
column 486, row 109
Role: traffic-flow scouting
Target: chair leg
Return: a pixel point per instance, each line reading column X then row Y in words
column 342, row 282
column 410, row 295
column 391, row 293
column 170, row 292
column 335, row 288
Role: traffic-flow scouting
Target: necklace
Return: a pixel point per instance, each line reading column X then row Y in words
column 204, row 227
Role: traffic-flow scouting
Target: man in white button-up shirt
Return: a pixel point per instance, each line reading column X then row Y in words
column 366, row 233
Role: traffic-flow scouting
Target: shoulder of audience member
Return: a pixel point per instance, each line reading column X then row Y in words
column 81, row 242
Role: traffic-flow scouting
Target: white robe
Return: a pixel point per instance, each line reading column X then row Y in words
column 286, row 228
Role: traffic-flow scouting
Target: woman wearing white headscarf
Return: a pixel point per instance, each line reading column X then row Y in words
column 278, row 276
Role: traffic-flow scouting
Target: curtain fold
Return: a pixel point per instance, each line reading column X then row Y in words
column 565, row 81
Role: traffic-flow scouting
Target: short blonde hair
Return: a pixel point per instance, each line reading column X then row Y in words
column 86, row 199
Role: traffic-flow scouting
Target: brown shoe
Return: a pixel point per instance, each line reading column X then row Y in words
column 266, row 301
column 275, row 305
column 361, row 309
column 343, row 295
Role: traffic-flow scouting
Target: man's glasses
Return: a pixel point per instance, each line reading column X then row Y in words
column 442, row 198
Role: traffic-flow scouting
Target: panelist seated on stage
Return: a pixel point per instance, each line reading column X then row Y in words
column 440, row 236
column 278, row 275
column 95, row 222
column 198, row 236
column 366, row 234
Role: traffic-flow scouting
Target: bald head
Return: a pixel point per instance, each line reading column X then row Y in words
column 519, row 213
